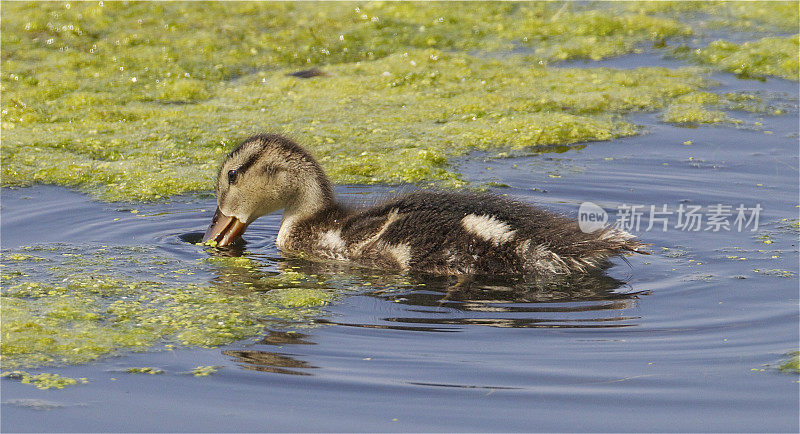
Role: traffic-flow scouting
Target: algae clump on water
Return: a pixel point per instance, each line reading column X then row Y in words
column 792, row 365
column 44, row 380
column 140, row 101
column 75, row 307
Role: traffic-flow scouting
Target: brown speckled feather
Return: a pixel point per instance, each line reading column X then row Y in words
column 427, row 231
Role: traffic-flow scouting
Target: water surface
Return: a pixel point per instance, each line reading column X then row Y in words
column 683, row 340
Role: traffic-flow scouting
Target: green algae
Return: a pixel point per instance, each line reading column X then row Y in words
column 398, row 119
column 754, row 16
column 232, row 261
column 776, row 56
column 145, row 370
column 792, row 365
column 44, row 380
column 759, row 16
column 80, row 307
column 790, row 224
column 21, row 257
column 140, row 101
column 205, row 371
column 183, row 91
column 775, row 272
column 150, row 41
column 693, row 114
column 296, row 297
column 753, row 102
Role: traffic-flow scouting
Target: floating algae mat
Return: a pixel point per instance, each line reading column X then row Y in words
column 140, row 101
column 766, row 56
column 62, row 305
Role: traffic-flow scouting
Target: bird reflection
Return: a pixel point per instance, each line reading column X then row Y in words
column 266, row 361
column 275, row 337
column 418, row 302
column 469, row 292
column 446, row 304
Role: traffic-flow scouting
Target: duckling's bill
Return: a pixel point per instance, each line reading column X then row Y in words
column 224, row 229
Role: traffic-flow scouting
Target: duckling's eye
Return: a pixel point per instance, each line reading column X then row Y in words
column 232, row 175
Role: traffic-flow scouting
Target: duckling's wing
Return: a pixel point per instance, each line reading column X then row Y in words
column 456, row 233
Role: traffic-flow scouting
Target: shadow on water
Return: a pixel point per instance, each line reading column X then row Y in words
column 495, row 354
column 268, row 361
column 425, row 303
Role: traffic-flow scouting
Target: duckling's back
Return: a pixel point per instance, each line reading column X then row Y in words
column 457, row 233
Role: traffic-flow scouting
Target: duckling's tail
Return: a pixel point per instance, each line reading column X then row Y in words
column 577, row 252
column 618, row 241
column 595, row 249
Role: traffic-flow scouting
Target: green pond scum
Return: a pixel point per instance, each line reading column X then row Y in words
column 75, row 307
column 43, row 380
column 792, row 365
column 145, row 370
column 205, row 371
column 767, row 56
column 140, row 101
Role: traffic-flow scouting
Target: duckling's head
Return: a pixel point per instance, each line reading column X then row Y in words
column 263, row 174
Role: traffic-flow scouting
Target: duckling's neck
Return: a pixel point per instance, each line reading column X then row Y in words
column 314, row 197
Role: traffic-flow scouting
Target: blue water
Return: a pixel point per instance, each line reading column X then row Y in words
column 686, row 339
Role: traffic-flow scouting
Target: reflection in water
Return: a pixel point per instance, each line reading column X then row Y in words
column 511, row 289
column 426, row 303
column 586, row 301
column 234, row 249
column 283, row 338
column 387, row 327
column 266, row 361
column 463, row 386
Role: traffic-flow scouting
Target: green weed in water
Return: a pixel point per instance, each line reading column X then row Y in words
column 775, row 272
column 776, row 56
column 205, row 371
column 44, row 380
column 398, row 119
column 145, row 370
column 79, row 306
column 792, row 365
column 750, row 16
column 141, row 101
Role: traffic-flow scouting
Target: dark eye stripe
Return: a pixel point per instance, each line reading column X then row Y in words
column 235, row 173
column 252, row 160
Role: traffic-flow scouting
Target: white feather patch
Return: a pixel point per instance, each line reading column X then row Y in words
column 542, row 259
column 333, row 242
column 488, row 228
column 285, row 232
column 401, row 253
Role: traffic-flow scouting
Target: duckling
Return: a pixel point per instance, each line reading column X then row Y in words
column 426, row 231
